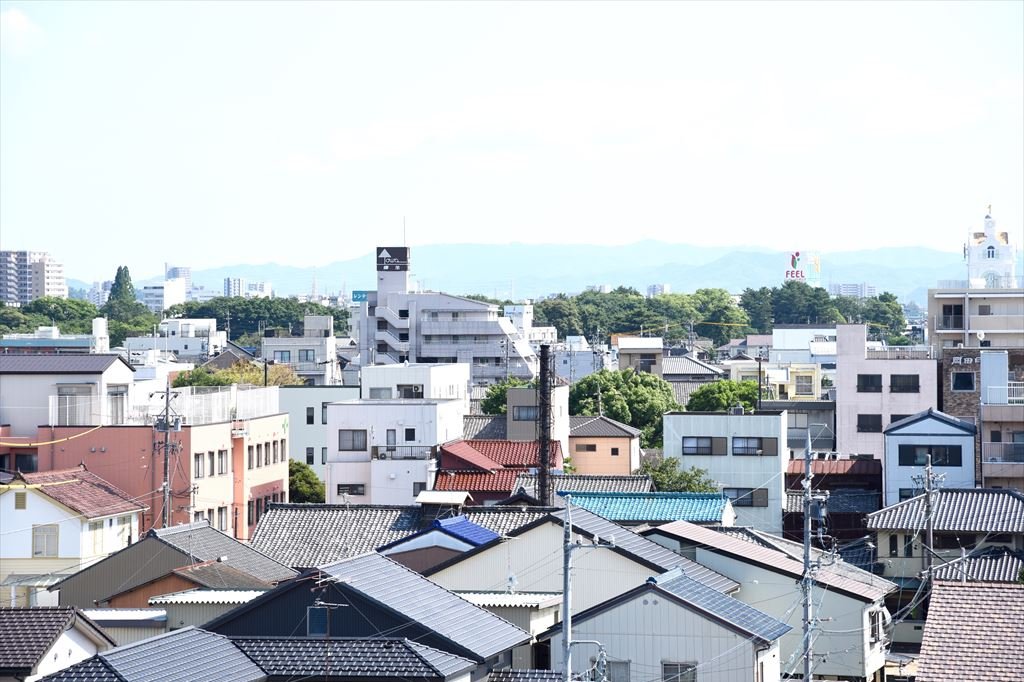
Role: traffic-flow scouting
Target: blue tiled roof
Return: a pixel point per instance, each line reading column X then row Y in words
column 692, row 507
column 464, row 529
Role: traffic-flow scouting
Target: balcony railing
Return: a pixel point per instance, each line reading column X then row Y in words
column 999, row 453
column 1010, row 394
column 949, row 322
column 901, row 353
column 403, row 451
column 203, row 406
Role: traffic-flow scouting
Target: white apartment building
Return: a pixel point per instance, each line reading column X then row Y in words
column 307, row 421
column 234, row 287
column 416, row 381
column 100, row 292
column 28, row 275
column 745, row 453
column 908, row 442
column 313, row 356
column 576, row 358
column 658, row 290
column 853, row 289
column 240, row 287
column 160, row 297
column 395, row 325
column 522, row 320
column 179, row 272
column 50, row 340
column 804, row 343
column 185, row 337
column 876, row 386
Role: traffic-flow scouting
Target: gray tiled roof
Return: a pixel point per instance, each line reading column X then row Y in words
column 600, row 427
column 26, row 634
column 93, row 363
column 931, row 413
column 580, row 483
column 682, row 389
column 484, row 426
column 989, row 565
column 378, row 657
column 208, row 544
column 956, row 510
column 687, row 365
column 840, row 501
column 656, row 556
column 221, row 576
column 525, row 675
column 974, row 631
column 93, row 669
column 410, row 594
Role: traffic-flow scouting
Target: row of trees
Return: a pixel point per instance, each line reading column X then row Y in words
column 248, row 317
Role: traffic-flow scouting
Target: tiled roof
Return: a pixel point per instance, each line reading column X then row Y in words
column 989, row 565
column 483, row 426
column 464, row 529
column 649, row 552
column 500, row 481
column 219, row 575
column 504, row 452
column 851, row 580
column 653, row 506
column 208, row 544
column 525, row 675
column 206, row 596
column 27, row 633
column 600, row 427
column 580, row 483
column 966, row 427
column 84, row 492
column 504, row 520
column 465, row 452
column 92, row 363
column 682, row 389
column 687, row 365
column 976, row 510
column 840, row 501
column 378, row 657
column 974, row 631
column 93, row 669
column 839, row 467
column 418, row 599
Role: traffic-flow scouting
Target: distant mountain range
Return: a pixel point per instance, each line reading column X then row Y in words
column 534, row 270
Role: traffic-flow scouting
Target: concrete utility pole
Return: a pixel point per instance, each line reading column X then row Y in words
column 807, row 583
column 544, row 417
column 164, row 425
column 928, row 481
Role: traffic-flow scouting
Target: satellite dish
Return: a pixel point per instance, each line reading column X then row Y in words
column 981, row 336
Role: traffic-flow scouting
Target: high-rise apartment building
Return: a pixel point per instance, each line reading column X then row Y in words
column 28, row 275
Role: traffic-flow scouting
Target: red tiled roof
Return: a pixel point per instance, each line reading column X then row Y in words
column 462, row 450
column 84, row 492
column 851, row 467
column 508, row 453
column 501, row 480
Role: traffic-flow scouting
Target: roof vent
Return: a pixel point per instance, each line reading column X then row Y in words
column 736, row 409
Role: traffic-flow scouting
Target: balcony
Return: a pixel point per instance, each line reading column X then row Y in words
column 194, row 406
column 403, row 451
column 392, row 317
column 1002, row 453
column 949, row 322
column 901, row 353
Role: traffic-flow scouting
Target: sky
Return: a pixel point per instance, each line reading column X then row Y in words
column 210, row 134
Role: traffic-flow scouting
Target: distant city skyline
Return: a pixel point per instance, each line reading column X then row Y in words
column 219, row 133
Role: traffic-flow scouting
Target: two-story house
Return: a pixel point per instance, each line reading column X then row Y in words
column 908, row 444
column 307, row 420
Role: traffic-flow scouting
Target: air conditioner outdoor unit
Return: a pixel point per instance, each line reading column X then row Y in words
column 382, row 455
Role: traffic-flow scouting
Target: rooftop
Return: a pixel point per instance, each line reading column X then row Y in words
column 206, row 543
column 654, row 506
column 600, row 427
column 485, row 427
column 206, row 596
column 689, row 365
column 988, row 565
column 28, row 633
column 92, row 363
column 584, row 483
column 84, row 492
column 977, row 510
column 494, row 454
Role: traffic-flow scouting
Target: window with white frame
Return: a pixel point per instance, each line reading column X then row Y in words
column 352, row 439
column 307, row 355
column 222, row 518
column 282, row 356
column 44, row 540
column 679, row 672
column 525, row 413
column 96, row 534
column 742, row 445
column 805, row 384
column 222, row 462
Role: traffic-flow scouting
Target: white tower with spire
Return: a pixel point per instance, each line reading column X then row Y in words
column 991, row 258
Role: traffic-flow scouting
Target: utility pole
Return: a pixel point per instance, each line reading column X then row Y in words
column 807, row 581
column 567, row 592
column 544, row 416
column 928, row 481
column 167, row 455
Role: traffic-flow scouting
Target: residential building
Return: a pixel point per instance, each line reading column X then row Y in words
column 750, row 346
column 41, row 641
column 658, row 290
column 854, row 489
column 533, row 612
column 487, row 469
column 656, row 508
column 160, row 297
column 306, row 407
column 235, row 287
column 849, row 600
column 522, row 319
column 395, row 325
column 313, row 356
column 744, row 453
column 125, row 626
column 853, row 289
column 99, row 292
column 641, row 353
column 523, row 415
column 686, row 373
column 212, row 574
column 816, row 418
column 576, row 358
column 669, row 628
column 973, row 633
column 602, row 446
column 56, row 523
column 805, row 343
column 438, row 542
column 440, row 381
column 199, row 605
column 50, row 340
column 152, row 566
column 196, row 339
column 908, row 444
column 876, row 386
column 28, row 275
column 179, row 272
column 780, row 381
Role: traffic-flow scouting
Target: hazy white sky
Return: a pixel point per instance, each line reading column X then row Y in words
column 209, row 134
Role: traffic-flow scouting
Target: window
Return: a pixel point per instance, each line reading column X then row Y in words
column 323, row 413
column 679, row 672
column 352, row 439
column 894, row 545
column 317, row 621
column 211, row 459
column 942, row 455
column 380, row 394
column 747, row 497
column 124, row 530
column 586, row 447
column 250, row 512
column 869, row 383
column 274, row 448
column 20, row 500
column 222, row 518
column 403, row 313
column 797, row 420
column 198, row 516
column 805, row 385
column 907, row 493
column 309, row 455
column 615, row 452
column 259, row 455
column 525, row 413
column 410, row 435
column 908, row 546
column 310, row 415
column 323, row 455
column 284, row 449
column 999, row 538
column 696, row 446
column 990, row 252
column 877, row 629
column 746, row 446
column 943, row 541
column 250, row 457
column 963, row 381
column 44, row 540
column 96, row 533
column 351, row 489
column 222, row 462
column 307, row 355
column 897, row 417
column 198, row 463
column 418, row 487
column 26, row 463
column 904, row 383
column 984, row 309
column 266, row 454
column 869, row 423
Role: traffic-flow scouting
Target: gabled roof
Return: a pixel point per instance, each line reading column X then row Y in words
column 930, row 413
column 205, row 543
column 206, row 596
column 686, row 364
column 850, row 581
column 494, row 454
column 837, row 467
column 654, row 506
column 482, row 426
column 472, row 457
column 458, row 527
column 600, row 427
column 840, row 501
column 988, row 565
column 582, row 483
column 977, row 510
column 525, row 675
column 82, row 491
column 221, row 576
column 500, row 481
column 26, row 634
column 973, row 632
column 92, row 363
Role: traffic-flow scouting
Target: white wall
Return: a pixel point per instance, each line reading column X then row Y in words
column 16, row 525
column 440, row 381
column 926, row 432
column 295, row 400
column 70, row 648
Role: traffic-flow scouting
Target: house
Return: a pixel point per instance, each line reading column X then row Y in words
column 850, row 600
column 641, row 353
column 198, row 655
column 814, row 418
column 487, row 469
column 213, row 574
column 438, row 542
column 671, row 626
column 992, row 564
column 388, row 598
column 230, row 355
column 200, row 605
column 744, row 453
column 576, row 358
column 654, row 508
column 961, row 519
column 603, row 446
column 909, row 442
column 804, row 343
column 973, row 633
column 690, row 369
column 125, row 626
column 195, row 339
column 313, row 356
column 750, row 346
column 787, row 381
column 854, row 487
column 523, row 415
column 534, row 612
column 159, row 553
column 42, row 640
column 306, row 407
column 56, row 523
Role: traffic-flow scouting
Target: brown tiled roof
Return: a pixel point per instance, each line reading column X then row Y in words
column 974, row 631
column 826, row 467
column 84, row 492
column 485, row 454
column 470, row 455
column 500, row 481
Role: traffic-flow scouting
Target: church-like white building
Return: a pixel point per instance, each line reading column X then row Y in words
column 991, row 258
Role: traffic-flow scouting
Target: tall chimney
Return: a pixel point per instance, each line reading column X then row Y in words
column 544, row 416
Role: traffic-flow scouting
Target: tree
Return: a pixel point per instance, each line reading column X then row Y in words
column 253, row 315
column 121, row 306
column 496, row 398
column 561, row 313
column 200, row 377
column 303, row 483
column 719, row 396
column 251, row 373
column 667, row 477
column 884, row 315
column 716, row 306
column 757, row 303
column 635, row 398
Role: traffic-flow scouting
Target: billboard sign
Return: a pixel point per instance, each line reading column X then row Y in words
column 795, row 272
column 392, row 258
column 360, row 296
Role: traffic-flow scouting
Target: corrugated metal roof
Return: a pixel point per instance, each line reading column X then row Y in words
column 92, row 363
column 533, row 600
column 989, row 565
column 205, row 596
column 654, row 506
column 187, row 654
column 207, row 544
column 837, row 467
column 977, row 510
column 408, row 593
column 600, row 427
